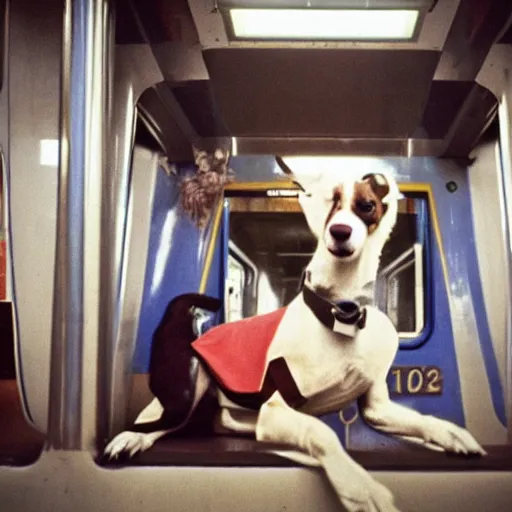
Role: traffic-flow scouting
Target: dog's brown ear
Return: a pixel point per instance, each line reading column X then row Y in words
column 379, row 184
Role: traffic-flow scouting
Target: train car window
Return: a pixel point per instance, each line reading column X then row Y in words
column 240, row 291
column 234, row 289
column 403, row 299
column 402, row 281
column 270, row 240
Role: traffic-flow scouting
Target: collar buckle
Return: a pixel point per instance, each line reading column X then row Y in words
column 348, row 318
column 344, row 317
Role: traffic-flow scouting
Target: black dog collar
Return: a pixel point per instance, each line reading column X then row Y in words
column 344, row 317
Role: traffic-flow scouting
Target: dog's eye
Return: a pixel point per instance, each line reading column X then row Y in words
column 366, row 206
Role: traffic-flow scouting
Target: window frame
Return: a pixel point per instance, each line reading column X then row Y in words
column 250, row 270
column 403, row 262
column 424, row 230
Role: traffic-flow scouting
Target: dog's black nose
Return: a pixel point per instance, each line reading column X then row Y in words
column 340, row 232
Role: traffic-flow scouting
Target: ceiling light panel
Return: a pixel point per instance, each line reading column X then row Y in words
column 324, row 24
column 323, row 20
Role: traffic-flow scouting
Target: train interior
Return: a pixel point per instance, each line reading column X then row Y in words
column 175, row 77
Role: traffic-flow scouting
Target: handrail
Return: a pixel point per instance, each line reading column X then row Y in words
column 84, row 87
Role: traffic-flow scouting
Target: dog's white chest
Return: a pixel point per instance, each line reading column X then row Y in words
column 331, row 369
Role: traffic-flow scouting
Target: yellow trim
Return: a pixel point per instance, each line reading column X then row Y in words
column 427, row 188
column 211, row 245
column 415, row 187
column 260, row 185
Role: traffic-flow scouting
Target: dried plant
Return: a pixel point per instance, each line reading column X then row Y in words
column 199, row 192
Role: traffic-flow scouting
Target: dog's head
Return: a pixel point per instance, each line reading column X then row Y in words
column 349, row 203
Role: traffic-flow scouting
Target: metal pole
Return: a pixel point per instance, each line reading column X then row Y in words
column 84, row 88
column 505, row 119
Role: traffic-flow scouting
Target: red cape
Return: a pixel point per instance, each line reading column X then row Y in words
column 236, row 352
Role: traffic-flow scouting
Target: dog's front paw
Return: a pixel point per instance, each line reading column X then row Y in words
column 373, row 497
column 451, row 437
column 360, row 492
column 128, row 442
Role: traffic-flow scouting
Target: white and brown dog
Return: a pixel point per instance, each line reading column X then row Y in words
column 323, row 350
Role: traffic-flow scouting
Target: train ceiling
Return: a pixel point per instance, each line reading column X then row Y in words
column 403, row 98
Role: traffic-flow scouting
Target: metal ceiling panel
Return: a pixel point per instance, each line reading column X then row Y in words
column 321, row 92
column 197, row 101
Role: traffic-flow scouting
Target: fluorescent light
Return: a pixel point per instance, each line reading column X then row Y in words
column 324, row 24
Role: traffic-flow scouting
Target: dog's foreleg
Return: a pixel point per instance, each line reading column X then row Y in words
column 133, row 442
column 382, row 414
column 357, row 490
